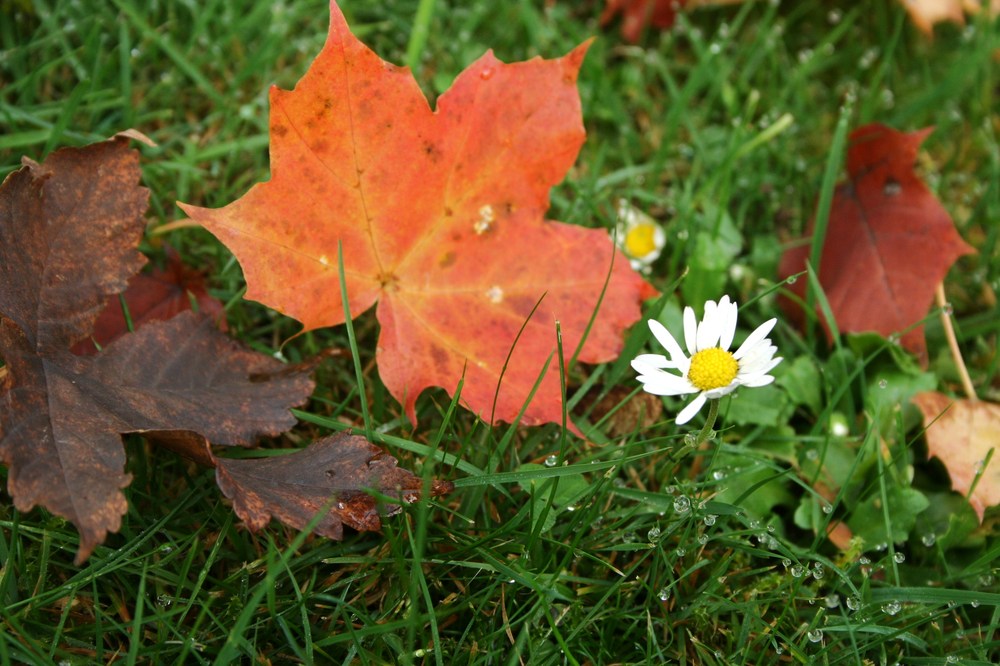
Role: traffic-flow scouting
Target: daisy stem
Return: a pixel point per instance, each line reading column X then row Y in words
column 703, row 437
column 713, row 411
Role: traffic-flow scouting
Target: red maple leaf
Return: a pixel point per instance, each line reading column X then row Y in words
column 888, row 244
column 154, row 296
column 440, row 215
column 637, row 14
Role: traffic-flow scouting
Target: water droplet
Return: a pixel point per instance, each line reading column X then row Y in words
column 715, row 48
column 898, row 558
column 778, row 649
column 663, row 594
column 881, row 547
column 929, row 539
column 690, row 439
column 864, row 561
column 974, row 603
column 798, row 571
column 552, row 460
column 653, row 534
column 854, row 603
column 164, row 600
column 827, row 508
column 703, row 539
column 832, row 600
column 834, row 16
column 882, row 383
column 770, row 528
column 494, row 294
column 682, row 504
column 892, row 607
column 166, row 548
column 951, row 659
column 485, row 221
column 486, row 73
column 815, row 635
column 818, row 570
column 948, row 309
column 812, row 454
column 571, row 507
column 710, row 519
column 681, row 552
column 791, row 279
column 786, row 562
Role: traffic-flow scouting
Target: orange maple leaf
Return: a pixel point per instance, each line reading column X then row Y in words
column 889, row 242
column 964, row 435
column 440, row 215
column 925, row 13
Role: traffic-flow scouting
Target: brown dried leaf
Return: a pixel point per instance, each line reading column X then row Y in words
column 68, row 235
column 334, row 474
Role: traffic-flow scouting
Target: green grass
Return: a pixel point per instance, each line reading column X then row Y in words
column 722, row 129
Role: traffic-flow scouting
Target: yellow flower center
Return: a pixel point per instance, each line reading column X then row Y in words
column 712, row 368
column 640, row 240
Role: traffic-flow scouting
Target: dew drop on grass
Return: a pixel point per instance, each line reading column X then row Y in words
column 929, row 539
column 892, row 607
column 786, row 562
column 827, row 508
column 552, row 460
column 653, row 534
column 818, row 571
column 663, row 594
column 854, row 603
column 834, row 16
column 974, row 603
column 682, row 504
column 681, row 552
column 832, row 600
column 710, row 519
column 882, row 383
column 798, row 571
column 899, row 558
column 864, row 561
column 703, row 539
column 815, row 635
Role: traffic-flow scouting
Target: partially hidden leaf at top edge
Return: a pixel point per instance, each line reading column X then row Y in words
column 441, row 218
column 888, row 244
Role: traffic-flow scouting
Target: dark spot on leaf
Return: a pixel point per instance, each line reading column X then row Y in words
column 447, row 260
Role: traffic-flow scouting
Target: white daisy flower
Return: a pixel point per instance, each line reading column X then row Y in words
column 711, row 370
column 639, row 236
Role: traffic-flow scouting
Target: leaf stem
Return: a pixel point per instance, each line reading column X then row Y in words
column 949, row 334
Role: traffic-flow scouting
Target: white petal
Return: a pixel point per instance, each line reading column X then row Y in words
column 759, row 334
column 688, row 412
column 757, row 358
column 690, row 330
column 664, row 337
column 645, row 364
column 728, row 322
column 708, row 330
column 725, row 390
column 666, row 384
column 758, row 381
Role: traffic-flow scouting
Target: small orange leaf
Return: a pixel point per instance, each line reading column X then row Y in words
column 962, row 434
